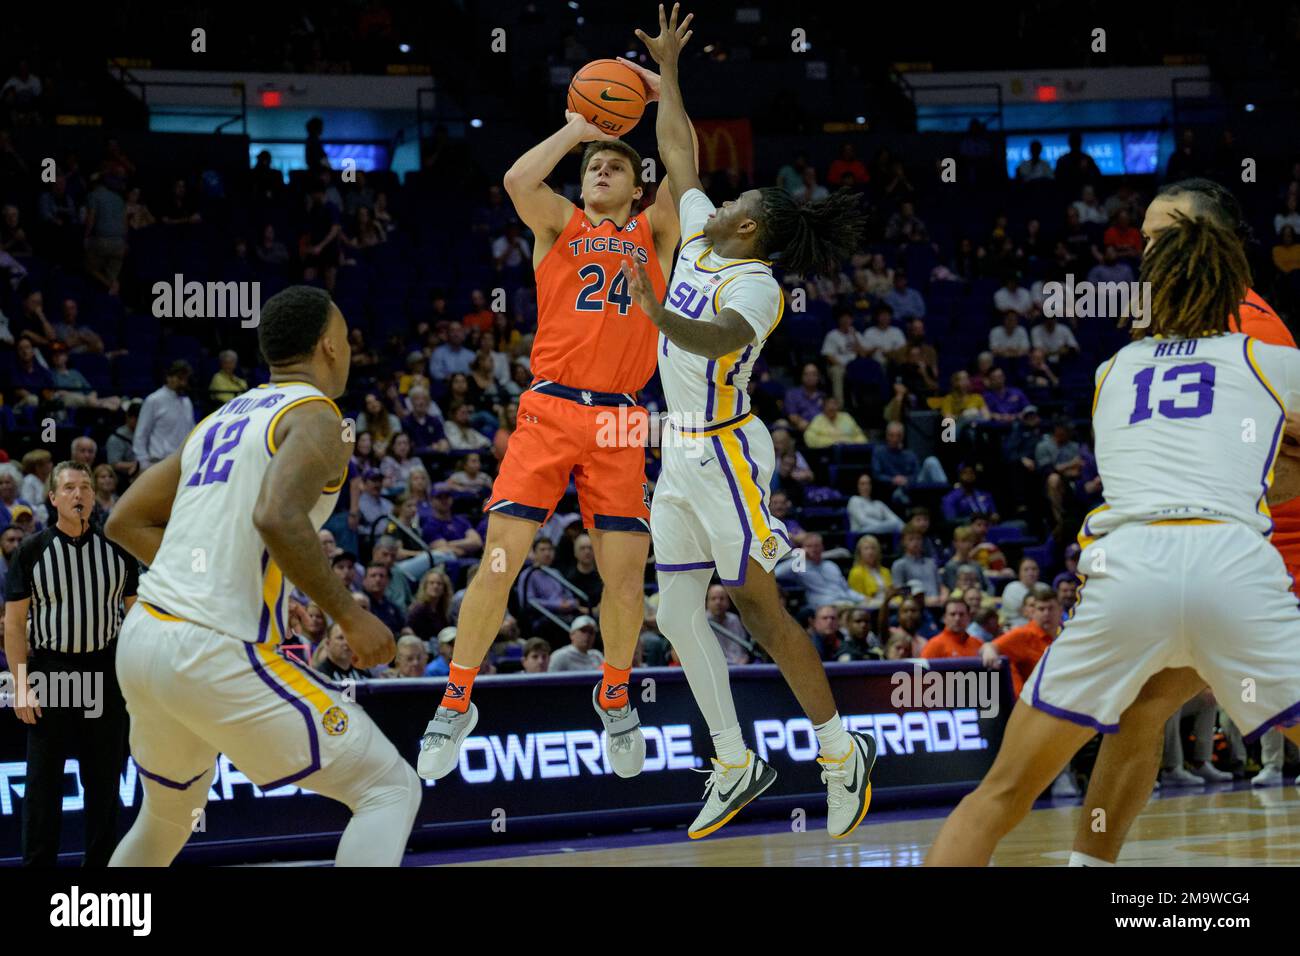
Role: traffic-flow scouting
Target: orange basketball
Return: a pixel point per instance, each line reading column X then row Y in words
column 608, row 94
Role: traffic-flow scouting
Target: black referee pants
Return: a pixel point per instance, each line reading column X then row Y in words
column 99, row 745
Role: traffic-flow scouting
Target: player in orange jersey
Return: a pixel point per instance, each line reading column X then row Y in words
column 1129, row 759
column 594, row 350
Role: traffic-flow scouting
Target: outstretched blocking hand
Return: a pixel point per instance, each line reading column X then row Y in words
column 666, row 47
column 642, row 289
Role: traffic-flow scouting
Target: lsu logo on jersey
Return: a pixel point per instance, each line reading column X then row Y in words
column 769, row 546
column 335, row 721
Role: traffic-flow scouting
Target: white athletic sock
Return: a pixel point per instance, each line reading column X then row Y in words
column 1082, row 859
column 832, row 738
column 730, row 745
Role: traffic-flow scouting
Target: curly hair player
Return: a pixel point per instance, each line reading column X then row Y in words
column 710, row 504
column 1181, row 482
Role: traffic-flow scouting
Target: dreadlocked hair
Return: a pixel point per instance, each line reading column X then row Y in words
column 1198, row 276
column 814, row 238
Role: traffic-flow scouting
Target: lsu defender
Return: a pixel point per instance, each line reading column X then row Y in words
column 593, row 351
column 710, row 505
column 1177, row 566
column 224, row 525
column 1129, row 759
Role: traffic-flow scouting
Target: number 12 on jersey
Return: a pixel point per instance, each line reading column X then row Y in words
column 211, row 469
column 1196, row 380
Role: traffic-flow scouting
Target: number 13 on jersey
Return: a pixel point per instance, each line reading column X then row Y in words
column 1194, row 398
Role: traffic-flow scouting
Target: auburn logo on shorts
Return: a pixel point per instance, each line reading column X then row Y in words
column 769, row 546
column 335, row 721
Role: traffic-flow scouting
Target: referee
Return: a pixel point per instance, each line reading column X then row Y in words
column 67, row 592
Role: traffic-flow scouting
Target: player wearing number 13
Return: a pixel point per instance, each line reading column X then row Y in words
column 1189, row 420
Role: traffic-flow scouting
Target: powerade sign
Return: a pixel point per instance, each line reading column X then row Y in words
column 537, row 755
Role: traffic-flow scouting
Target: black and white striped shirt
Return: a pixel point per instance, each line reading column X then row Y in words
column 76, row 586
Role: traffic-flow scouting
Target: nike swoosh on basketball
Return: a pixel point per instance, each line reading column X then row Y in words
column 857, row 774
column 706, row 461
column 604, row 95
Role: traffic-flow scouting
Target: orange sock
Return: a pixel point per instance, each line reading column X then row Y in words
column 459, row 684
column 613, row 687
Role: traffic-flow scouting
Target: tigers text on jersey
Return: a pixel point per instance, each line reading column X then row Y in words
column 212, row 568
column 1190, row 429
column 701, row 391
column 590, row 333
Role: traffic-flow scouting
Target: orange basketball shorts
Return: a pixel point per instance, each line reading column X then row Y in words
column 562, row 432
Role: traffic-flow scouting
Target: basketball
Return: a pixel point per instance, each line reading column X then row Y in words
column 608, row 94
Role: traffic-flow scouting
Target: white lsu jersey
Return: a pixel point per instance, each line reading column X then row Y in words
column 212, row 568
column 701, row 391
column 1189, row 429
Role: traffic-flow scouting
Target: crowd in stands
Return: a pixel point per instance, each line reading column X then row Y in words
column 930, row 419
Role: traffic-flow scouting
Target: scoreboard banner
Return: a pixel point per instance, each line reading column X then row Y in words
column 535, row 763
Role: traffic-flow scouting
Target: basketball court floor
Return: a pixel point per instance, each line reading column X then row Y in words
column 1221, row 825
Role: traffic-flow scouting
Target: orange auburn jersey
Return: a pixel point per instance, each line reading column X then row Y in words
column 590, row 333
column 1257, row 319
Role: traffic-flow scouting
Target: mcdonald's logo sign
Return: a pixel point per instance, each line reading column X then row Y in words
column 724, row 144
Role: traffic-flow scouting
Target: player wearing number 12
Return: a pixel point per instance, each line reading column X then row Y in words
column 225, row 524
column 593, row 351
